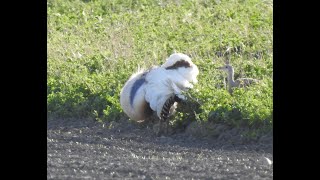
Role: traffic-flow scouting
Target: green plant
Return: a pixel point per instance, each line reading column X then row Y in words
column 94, row 46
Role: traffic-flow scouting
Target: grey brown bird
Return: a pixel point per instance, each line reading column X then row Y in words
column 240, row 82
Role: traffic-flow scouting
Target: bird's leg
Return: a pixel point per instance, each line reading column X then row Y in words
column 160, row 130
column 163, row 127
column 166, row 126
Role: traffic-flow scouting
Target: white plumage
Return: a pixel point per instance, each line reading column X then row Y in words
column 148, row 91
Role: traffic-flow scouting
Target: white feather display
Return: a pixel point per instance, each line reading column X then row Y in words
column 147, row 91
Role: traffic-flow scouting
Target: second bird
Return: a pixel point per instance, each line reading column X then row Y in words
column 240, row 82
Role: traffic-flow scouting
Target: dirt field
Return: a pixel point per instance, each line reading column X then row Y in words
column 86, row 149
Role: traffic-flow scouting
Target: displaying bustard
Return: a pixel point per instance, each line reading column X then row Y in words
column 240, row 82
column 158, row 89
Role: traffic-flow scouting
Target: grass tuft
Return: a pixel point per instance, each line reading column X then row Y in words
column 94, row 46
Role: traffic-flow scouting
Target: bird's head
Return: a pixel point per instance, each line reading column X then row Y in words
column 226, row 67
column 183, row 64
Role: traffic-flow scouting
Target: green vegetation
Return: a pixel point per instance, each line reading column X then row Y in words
column 94, row 46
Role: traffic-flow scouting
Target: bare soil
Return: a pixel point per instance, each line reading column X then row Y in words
column 87, row 149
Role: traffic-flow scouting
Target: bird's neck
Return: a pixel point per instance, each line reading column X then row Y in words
column 231, row 77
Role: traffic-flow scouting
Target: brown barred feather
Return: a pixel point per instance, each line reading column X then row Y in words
column 166, row 107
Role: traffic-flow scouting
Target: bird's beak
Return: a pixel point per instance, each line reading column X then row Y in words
column 220, row 68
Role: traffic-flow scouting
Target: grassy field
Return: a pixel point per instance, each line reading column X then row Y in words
column 94, row 46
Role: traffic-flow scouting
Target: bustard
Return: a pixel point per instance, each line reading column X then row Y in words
column 240, row 82
column 158, row 89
